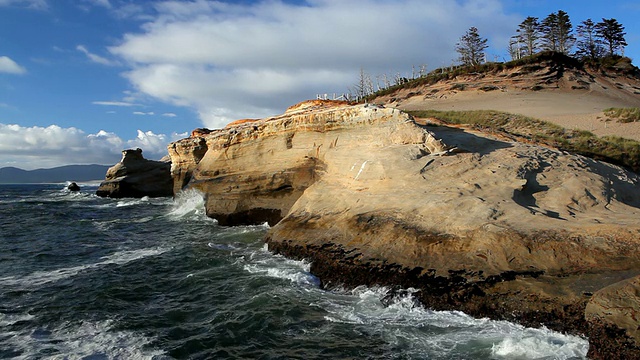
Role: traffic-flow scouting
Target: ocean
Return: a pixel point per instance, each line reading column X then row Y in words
column 83, row 277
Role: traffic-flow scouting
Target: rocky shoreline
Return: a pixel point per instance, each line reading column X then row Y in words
column 337, row 268
column 475, row 222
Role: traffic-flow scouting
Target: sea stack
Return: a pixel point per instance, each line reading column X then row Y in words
column 134, row 176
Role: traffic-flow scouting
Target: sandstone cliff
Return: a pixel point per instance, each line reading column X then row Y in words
column 135, row 176
column 477, row 222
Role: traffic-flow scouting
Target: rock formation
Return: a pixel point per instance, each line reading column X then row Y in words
column 73, row 187
column 477, row 222
column 135, row 176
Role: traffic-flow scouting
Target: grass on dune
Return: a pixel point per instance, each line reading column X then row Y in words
column 612, row 149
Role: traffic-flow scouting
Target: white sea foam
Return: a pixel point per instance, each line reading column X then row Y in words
column 276, row 266
column 187, row 203
column 133, row 202
column 39, row 278
column 404, row 323
column 84, row 340
column 10, row 319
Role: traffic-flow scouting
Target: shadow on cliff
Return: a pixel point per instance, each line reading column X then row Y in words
column 465, row 140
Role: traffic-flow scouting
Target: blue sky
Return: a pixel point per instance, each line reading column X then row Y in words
column 80, row 80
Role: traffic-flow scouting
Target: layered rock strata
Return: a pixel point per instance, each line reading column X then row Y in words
column 475, row 222
column 134, row 176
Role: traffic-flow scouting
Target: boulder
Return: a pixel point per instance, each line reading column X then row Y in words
column 134, row 176
column 73, row 187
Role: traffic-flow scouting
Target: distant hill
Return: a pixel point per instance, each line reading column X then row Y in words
column 53, row 175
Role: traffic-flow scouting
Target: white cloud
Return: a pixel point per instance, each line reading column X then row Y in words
column 31, row 4
column 44, row 147
column 114, row 103
column 143, row 113
column 230, row 61
column 10, row 67
column 169, row 115
column 96, row 58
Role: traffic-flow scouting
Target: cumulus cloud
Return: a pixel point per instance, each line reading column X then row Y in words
column 95, row 58
column 229, row 60
column 43, row 147
column 10, row 67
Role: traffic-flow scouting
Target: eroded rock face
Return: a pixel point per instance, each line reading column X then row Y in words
column 255, row 171
column 479, row 223
column 135, row 176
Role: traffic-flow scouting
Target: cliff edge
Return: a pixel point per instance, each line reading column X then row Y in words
column 476, row 222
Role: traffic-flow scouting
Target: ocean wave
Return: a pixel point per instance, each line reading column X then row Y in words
column 276, row 266
column 83, row 340
column 40, row 278
column 404, row 323
column 132, row 202
column 187, row 202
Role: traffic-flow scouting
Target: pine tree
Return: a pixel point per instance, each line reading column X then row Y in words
column 557, row 31
column 471, row 47
column 566, row 40
column 548, row 29
column 529, row 35
column 589, row 46
column 611, row 33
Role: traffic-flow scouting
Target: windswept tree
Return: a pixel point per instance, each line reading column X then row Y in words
column 588, row 44
column 471, row 48
column 611, row 33
column 528, row 36
column 557, row 32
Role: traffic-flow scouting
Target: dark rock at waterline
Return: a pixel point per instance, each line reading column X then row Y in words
column 136, row 177
column 73, row 187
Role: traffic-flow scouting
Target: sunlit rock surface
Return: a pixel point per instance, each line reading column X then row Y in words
column 478, row 222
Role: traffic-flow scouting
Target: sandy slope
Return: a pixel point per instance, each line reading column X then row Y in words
column 559, row 102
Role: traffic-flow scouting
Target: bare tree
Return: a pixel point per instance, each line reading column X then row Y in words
column 364, row 86
column 516, row 48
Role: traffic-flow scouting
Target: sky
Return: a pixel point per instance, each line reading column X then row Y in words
column 81, row 80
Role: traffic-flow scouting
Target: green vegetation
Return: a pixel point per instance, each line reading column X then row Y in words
column 612, row 149
column 623, row 115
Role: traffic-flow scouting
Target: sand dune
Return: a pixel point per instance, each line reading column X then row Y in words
column 573, row 98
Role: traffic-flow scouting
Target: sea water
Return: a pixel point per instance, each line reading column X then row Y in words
column 82, row 277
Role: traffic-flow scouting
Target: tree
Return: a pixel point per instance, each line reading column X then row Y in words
column 548, row 29
column 556, row 30
column 516, row 48
column 364, row 86
column 471, row 47
column 588, row 44
column 611, row 33
column 528, row 35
